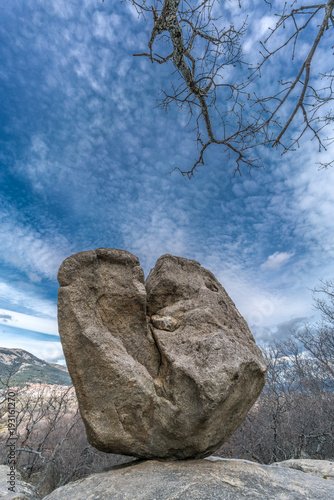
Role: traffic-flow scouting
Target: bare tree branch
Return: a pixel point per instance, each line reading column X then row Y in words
column 305, row 101
column 235, row 114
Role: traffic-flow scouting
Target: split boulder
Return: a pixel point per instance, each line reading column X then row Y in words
column 163, row 369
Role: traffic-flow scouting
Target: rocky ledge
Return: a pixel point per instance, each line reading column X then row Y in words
column 209, row 479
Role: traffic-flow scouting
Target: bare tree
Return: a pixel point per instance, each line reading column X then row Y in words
column 293, row 417
column 229, row 108
column 307, row 92
column 310, row 350
column 51, row 447
column 323, row 296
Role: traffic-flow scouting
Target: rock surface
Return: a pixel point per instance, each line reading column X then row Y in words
column 320, row 468
column 197, row 480
column 166, row 369
column 23, row 490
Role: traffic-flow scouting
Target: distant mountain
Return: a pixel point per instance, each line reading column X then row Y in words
column 27, row 368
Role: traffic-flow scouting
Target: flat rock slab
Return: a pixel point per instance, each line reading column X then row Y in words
column 198, row 480
column 321, row 468
column 165, row 368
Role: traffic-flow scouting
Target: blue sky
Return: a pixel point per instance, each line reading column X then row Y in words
column 85, row 160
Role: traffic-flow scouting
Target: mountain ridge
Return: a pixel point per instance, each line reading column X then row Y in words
column 21, row 368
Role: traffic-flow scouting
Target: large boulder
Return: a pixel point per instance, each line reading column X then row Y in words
column 198, row 480
column 166, row 369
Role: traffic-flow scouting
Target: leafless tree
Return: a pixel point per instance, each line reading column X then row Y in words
column 51, row 447
column 323, row 296
column 311, row 348
column 293, row 417
column 226, row 103
column 306, row 92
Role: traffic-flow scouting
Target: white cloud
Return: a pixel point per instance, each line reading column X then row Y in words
column 38, row 254
column 154, row 237
column 276, row 260
column 28, row 322
column 48, row 351
column 22, row 297
column 260, row 304
column 258, row 30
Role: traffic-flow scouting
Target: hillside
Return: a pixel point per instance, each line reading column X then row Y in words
column 26, row 368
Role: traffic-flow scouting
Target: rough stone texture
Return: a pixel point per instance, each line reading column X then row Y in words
column 23, row 490
column 169, row 370
column 198, row 480
column 321, row 468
